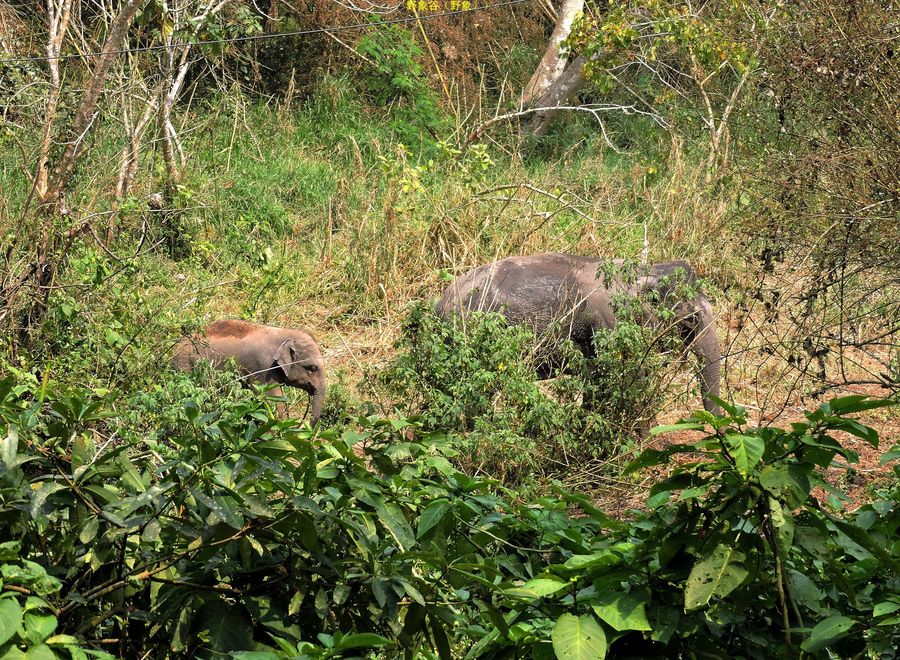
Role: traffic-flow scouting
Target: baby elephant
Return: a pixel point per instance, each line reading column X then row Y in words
column 263, row 353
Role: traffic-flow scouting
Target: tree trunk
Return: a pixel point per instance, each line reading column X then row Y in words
column 52, row 244
column 84, row 116
column 560, row 93
column 553, row 63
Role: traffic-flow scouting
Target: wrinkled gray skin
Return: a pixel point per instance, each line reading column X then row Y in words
column 543, row 289
column 263, row 353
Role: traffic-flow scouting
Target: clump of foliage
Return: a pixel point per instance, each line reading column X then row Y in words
column 398, row 80
column 243, row 536
column 478, row 378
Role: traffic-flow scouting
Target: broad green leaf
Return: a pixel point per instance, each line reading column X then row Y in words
column 341, row 594
column 431, row 516
column 40, row 495
column 650, row 457
column 891, row 454
column 411, row 591
column 9, row 550
column 578, row 638
column 680, row 426
column 860, row 536
column 789, row 483
column 393, row 519
column 805, row 591
column 38, row 627
column 747, row 450
column 716, row 574
column 42, row 652
column 537, row 588
column 597, row 559
column 853, row 427
column 827, row 632
column 783, row 521
column 362, row 641
column 89, row 530
column 296, row 601
column 10, row 619
column 224, row 627
column 623, row 612
column 885, row 607
column 856, row 403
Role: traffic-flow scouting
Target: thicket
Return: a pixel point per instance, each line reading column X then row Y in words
column 235, row 533
column 477, row 378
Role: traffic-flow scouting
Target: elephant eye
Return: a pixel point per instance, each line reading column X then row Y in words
column 312, row 368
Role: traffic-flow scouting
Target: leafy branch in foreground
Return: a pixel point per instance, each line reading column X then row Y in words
column 235, row 534
column 735, row 555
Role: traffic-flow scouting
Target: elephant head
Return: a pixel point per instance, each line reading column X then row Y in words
column 299, row 363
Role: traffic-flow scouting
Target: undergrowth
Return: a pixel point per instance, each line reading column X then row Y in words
column 478, row 378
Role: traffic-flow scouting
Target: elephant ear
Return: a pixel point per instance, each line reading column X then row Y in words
column 285, row 356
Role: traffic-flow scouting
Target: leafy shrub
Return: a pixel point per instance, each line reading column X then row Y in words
column 398, row 81
column 251, row 537
column 734, row 557
column 479, row 379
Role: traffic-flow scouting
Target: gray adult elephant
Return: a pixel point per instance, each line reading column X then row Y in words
column 573, row 295
column 264, row 354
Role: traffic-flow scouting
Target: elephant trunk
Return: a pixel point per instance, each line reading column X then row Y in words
column 317, row 400
column 706, row 346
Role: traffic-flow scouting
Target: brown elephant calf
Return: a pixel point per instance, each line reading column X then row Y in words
column 264, row 354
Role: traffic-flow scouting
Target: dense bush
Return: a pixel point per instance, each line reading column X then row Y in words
column 479, row 379
column 398, row 79
column 241, row 535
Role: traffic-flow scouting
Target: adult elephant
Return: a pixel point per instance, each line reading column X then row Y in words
column 574, row 295
column 264, row 354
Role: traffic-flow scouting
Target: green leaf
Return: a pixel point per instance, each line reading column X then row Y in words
column 40, row 495
column 789, row 483
column 9, row 550
column 395, row 522
column 853, row 427
column 716, row 574
column 89, row 530
column 10, row 619
column 747, row 450
column 650, row 457
column 42, row 652
column 431, row 516
column 891, row 454
column 296, row 601
column 623, row 612
column 680, row 426
column 856, row 403
column 805, row 591
column 885, row 607
column 595, row 560
column 783, row 521
column 39, row 627
column 827, row 632
column 362, row 641
column 578, row 638
column 860, row 536
column 537, row 588
column 341, row 594
column 223, row 627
